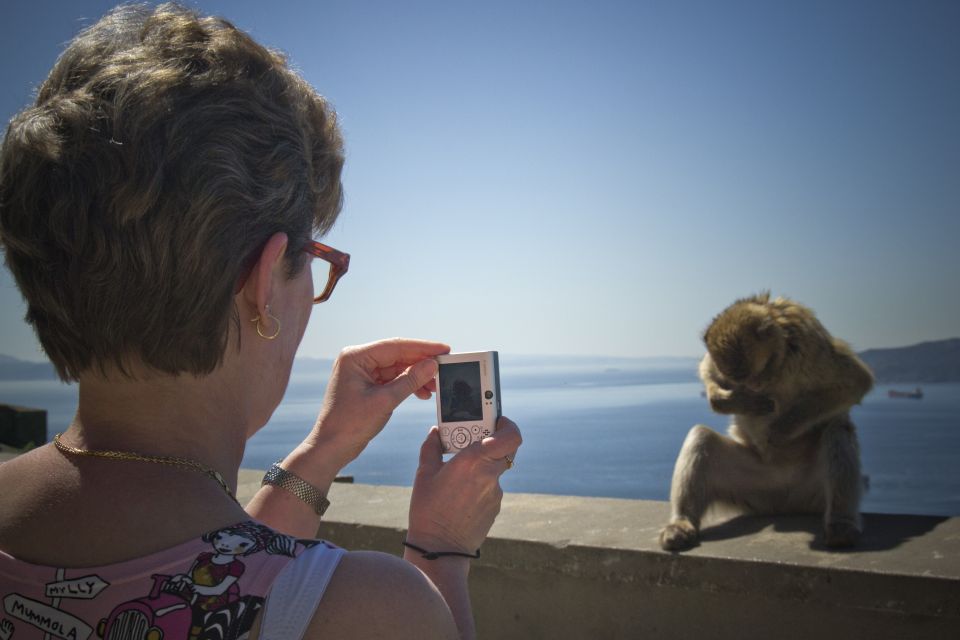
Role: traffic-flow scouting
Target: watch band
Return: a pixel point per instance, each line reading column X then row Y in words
column 280, row 477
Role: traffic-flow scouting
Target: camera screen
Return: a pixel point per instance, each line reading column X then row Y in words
column 460, row 392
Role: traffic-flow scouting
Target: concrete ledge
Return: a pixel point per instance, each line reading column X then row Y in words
column 570, row 567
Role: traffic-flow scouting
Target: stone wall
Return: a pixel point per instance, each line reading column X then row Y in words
column 568, row 567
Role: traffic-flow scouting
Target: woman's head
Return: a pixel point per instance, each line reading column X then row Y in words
column 163, row 151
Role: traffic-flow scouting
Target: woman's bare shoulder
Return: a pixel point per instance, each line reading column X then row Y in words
column 377, row 595
column 374, row 595
column 31, row 499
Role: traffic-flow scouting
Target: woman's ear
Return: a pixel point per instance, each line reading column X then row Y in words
column 258, row 289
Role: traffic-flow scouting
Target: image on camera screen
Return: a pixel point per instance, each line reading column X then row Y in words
column 460, row 392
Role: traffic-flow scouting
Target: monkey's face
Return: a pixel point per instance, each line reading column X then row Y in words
column 733, row 360
column 746, row 346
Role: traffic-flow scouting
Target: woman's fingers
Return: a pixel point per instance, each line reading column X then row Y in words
column 431, row 451
column 504, row 442
column 404, row 365
column 396, row 352
column 411, row 380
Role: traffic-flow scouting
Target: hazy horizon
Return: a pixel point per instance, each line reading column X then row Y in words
column 594, row 357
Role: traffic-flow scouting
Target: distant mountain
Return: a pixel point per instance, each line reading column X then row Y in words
column 306, row 364
column 666, row 362
column 13, row 369
column 937, row 361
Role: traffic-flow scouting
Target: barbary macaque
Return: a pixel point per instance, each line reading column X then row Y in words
column 792, row 448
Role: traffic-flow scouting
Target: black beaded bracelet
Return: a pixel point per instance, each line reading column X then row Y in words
column 433, row 555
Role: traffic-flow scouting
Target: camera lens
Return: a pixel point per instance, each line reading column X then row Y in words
column 488, row 395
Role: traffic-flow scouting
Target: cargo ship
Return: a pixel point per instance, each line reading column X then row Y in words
column 916, row 394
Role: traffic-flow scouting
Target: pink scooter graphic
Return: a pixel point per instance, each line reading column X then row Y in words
column 165, row 613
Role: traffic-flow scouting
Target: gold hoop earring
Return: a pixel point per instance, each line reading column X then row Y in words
column 260, row 329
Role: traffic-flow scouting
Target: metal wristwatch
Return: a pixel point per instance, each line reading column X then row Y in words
column 280, row 477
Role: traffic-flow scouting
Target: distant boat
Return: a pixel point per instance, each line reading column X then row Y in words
column 916, row 394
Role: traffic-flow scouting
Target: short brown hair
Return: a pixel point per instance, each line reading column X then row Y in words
column 163, row 150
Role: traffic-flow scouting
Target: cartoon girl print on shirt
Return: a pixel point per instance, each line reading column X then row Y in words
column 216, row 597
column 214, row 577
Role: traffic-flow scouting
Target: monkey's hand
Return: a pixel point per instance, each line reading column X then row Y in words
column 742, row 402
column 805, row 412
column 722, row 400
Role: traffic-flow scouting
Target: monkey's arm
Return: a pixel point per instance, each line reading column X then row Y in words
column 740, row 401
column 727, row 399
column 852, row 380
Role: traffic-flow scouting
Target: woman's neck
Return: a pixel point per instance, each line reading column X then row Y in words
column 116, row 510
column 206, row 419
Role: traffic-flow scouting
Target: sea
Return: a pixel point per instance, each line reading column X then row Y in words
column 609, row 427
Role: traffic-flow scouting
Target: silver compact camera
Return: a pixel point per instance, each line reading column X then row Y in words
column 468, row 398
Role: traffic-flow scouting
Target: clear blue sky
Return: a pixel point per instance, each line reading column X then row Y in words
column 603, row 177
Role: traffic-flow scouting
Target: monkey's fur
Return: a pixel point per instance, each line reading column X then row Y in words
column 789, row 386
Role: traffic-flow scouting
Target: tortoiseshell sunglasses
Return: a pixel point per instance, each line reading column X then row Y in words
column 339, row 263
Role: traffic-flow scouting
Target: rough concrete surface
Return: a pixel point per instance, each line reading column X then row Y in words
column 573, row 567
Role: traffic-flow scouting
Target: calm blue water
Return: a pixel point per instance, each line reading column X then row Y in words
column 608, row 428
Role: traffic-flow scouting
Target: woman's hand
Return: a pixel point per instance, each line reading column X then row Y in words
column 454, row 503
column 367, row 384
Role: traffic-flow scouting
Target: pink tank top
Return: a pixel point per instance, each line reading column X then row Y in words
column 209, row 588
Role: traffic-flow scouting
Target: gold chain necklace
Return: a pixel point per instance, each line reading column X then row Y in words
column 136, row 457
